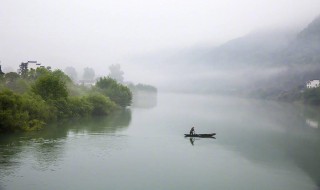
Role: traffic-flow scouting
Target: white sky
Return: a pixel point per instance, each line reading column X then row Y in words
column 98, row 33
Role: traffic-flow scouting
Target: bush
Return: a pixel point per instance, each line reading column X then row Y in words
column 16, row 113
column 50, row 87
column 37, row 108
column 101, row 105
column 80, row 107
column 117, row 92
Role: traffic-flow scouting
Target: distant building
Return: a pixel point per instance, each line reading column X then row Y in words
column 87, row 83
column 313, row 84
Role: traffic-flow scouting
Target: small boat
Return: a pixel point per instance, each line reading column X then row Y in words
column 200, row 135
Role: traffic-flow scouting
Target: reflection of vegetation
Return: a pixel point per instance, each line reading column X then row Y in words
column 116, row 121
column 118, row 93
column 289, row 139
column 312, row 96
column 47, row 146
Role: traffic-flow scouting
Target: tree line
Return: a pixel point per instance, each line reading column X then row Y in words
column 40, row 96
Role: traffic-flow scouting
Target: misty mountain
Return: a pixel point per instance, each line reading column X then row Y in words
column 260, row 49
column 305, row 49
column 267, row 61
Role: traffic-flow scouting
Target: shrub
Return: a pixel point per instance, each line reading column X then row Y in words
column 117, row 92
column 101, row 105
column 50, row 87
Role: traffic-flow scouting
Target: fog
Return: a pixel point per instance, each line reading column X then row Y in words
column 169, row 44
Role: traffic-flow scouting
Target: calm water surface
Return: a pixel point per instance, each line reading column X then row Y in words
column 259, row 145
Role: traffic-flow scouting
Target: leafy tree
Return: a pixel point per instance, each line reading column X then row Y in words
column 50, row 87
column 101, row 104
column 41, row 71
column 62, row 76
column 88, row 74
column 11, row 115
column 37, row 108
column 117, row 92
column 116, row 73
column 80, row 107
column 20, row 114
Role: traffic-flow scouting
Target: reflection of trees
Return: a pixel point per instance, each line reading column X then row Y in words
column 114, row 122
column 44, row 145
column 305, row 146
column 289, row 140
column 144, row 99
column 47, row 146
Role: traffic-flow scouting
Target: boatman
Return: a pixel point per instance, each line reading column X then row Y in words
column 192, row 131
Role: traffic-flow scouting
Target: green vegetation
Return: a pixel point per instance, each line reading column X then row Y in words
column 143, row 87
column 118, row 93
column 312, row 96
column 29, row 101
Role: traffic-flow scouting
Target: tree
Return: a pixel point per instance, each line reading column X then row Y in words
column 116, row 73
column 50, row 87
column 22, row 113
column 11, row 77
column 117, row 92
column 101, row 105
column 88, row 74
column 72, row 73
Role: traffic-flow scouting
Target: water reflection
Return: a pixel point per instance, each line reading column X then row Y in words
column 276, row 136
column 193, row 139
column 45, row 148
column 312, row 123
column 117, row 121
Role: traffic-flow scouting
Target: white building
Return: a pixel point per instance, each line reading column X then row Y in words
column 313, row 83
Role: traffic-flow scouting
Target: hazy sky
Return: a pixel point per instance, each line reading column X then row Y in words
column 98, row 33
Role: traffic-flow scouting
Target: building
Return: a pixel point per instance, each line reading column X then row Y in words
column 313, row 84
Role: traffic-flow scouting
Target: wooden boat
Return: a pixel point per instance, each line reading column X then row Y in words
column 201, row 135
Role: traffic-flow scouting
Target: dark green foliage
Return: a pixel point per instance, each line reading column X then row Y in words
column 80, row 107
column 12, row 116
column 37, row 108
column 19, row 113
column 101, row 104
column 73, row 107
column 50, row 87
column 117, row 92
column 312, row 96
column 44, row 96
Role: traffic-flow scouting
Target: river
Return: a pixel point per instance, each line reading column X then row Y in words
column 259, row 145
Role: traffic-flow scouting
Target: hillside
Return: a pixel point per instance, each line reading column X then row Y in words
column 305, row 49
column 266, row 61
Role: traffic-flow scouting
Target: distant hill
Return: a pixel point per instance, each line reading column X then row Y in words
column 305, row 49
column 266, row 61
column 259, row 48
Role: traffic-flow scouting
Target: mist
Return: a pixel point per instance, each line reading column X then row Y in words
column 170, row 44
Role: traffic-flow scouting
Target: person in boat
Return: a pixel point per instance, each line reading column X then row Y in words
column 192, row 132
